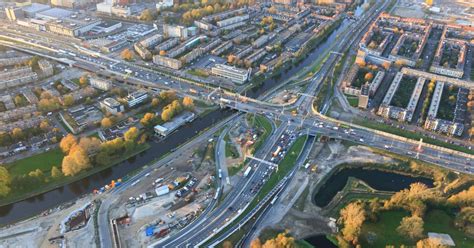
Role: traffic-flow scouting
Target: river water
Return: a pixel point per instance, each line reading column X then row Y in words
column 35, row 205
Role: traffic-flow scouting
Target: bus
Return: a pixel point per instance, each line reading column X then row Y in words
column 247, row 171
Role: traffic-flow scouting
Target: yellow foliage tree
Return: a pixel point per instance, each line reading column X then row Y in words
column 67, row 142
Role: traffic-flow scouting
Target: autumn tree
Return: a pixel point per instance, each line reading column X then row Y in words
column 83, row 81
column 44, row 125
column 411, row 227
column 413, row 199
column 67, row 142
column 368, row 76
column 155, row 102
column 20, row 101
column 231, row 58
column 147, row 119
column 91, row 145
column 5, row 181
column 68, row 100
column 55, row 172
column 463, row 198
column 75, row 162
column 126, row 54
column 147, row 15
column 131, row 134
column 256, row 243
column 352, row 217
column 17, row 134
column 282, row 240
column 168, row 96
column 166, row 114
column 188, row 103
column 106, row 122
column 430, row 243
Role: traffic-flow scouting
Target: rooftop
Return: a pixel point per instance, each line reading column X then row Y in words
column 36, row 7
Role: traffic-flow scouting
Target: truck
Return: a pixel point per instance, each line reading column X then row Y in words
column 247, row 171
column 275, row 153
column 220, row 173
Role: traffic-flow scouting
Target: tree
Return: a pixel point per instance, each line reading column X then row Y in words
column 75, row 162
column 44, row 125
column 411, row 227
column 166, row 114
column 463, row 198
column 68, row 100
column 386, row 65
column 131, row 134
column 147, row 15
column 352, row 217
column 5, row 181
column 231, row 58
column 90, row 145
column 188, row 103
column 83, row 81
column 106, row 122
column 17, row 134
column 168, row 96
column 55, row 172
column 227, row 244
column 126, row 54
column 368, row 76
column 430, row 243
column 256, row 243
column 36, row 173
column 155, row 102
column 147, row 119
column 282, row 240
column 413, row 199
column 67, row 142
column 5, row 139
column 20, row 101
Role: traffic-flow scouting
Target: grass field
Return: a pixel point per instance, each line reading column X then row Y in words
column 24, row 186
column 353, row 101
column 411, row 135
column 383, row 232
column 44, row 161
